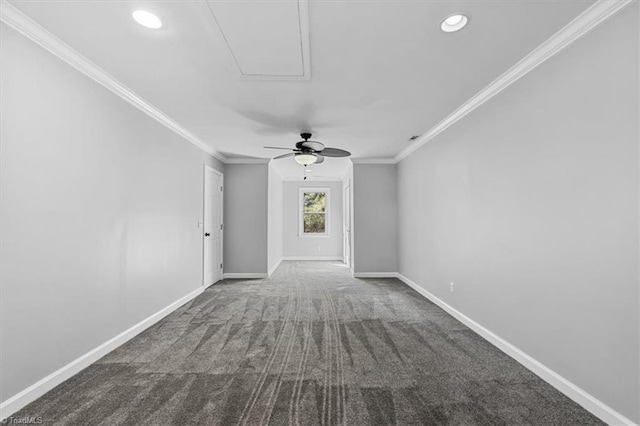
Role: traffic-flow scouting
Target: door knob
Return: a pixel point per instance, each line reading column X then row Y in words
column 206, row 234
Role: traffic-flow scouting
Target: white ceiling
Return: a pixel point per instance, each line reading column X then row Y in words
column 264, row 38
column 381, row 71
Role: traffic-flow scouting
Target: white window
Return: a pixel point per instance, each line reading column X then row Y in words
column 314, row 212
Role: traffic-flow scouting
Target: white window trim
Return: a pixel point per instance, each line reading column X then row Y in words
column 327, row 211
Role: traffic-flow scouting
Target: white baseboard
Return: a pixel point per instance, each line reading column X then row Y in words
column 243, row 275
column 312, row 258
column 272, row 270
column 375, row 275
column 41, row 387
column 580, row 396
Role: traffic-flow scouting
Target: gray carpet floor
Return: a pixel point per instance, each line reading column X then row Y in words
column 309, row 346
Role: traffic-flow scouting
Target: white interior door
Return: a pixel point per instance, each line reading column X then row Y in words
column 347, row 225
column 212, row 226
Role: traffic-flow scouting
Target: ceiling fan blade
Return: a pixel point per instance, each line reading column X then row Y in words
column 320, row 159
column 277, row 147
column 290, row 154
column 313, row 145
column 335, row 152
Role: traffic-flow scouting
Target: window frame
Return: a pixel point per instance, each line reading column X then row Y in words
column 327, row 200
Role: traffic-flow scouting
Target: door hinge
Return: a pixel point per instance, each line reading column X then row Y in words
column 220, row 189
column 221, row 266
column 220, row 226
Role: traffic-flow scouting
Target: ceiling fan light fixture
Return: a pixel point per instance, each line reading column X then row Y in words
column 305, row 159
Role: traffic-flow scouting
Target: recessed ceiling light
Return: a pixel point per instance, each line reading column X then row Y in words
column 454, row 23
column 147, row 19
column 307, row 171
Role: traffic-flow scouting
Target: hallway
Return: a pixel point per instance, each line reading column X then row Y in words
column 311, row 345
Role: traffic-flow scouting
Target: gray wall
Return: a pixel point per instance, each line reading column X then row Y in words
column 275, row 231
column 530, row 206
column 99, row 214
column 296, row 246
column 245, row 218
column 375, row 218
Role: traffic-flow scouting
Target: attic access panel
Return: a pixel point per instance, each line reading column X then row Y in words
column 267, row 39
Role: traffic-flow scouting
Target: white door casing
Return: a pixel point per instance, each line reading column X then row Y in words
column 347, row 225
column 212, row 226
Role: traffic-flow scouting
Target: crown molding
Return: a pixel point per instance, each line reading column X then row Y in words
column 247, row 160
column 29, row 28
column 581, row 25
column 373, row 161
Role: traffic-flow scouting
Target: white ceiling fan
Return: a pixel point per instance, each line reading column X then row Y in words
column 309, row 152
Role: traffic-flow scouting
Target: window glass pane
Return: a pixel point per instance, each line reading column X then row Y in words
column 314, row 202
column 314, row 223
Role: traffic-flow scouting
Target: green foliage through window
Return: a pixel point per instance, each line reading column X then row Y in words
column 314, row 205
